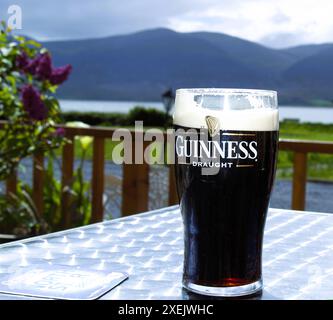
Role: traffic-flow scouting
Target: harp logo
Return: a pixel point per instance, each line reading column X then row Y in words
column 213, row 125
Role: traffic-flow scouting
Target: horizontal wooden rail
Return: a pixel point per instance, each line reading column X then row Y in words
column 304, row 146
column 135, row 183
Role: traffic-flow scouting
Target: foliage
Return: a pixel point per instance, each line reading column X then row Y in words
column 18, row 213
column 79, row 200
column 28, row 82
column 149, row 116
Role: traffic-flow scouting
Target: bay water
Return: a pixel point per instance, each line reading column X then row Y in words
column 301, row 113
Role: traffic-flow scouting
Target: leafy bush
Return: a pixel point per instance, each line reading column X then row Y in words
column 80, row 204
column 150, row 117
column 18, row 214
column 28, row 82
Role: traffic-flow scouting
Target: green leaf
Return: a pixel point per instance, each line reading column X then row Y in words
column 33, row 43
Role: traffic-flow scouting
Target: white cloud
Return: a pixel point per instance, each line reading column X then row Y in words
column 304, row 21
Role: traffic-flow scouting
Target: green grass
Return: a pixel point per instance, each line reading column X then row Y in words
column 320, row 166
column 306, row 131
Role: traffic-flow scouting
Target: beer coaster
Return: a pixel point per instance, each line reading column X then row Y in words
column 58, row 282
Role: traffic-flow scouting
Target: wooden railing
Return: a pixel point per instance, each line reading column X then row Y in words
column 135, row 183
column 301, row 150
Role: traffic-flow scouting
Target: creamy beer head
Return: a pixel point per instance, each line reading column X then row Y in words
column 235, row 109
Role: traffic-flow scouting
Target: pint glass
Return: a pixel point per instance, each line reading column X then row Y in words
column 225, row 158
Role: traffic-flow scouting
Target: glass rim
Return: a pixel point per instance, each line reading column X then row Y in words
column 221, row 91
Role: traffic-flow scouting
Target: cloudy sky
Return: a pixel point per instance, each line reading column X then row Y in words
column 275, row 23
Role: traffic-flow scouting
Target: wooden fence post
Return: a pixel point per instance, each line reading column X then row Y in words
column 66, row 181
column 173, row 196
column 299, row 181
column 135, row 188
column 38, row 182
column 97, row 184
column 11, row 184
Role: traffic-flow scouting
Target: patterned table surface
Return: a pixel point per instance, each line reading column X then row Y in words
column 297, row 258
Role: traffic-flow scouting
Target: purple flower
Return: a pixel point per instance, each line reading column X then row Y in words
column 60, row 75
column 33, row 103
column 60, row 132
column 44, row 67
column 32, row 66
column 22, row 61
column 41, row 66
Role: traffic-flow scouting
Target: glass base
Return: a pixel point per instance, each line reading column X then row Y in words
column 234, row 291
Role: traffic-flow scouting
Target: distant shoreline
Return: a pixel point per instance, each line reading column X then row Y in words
column 107, row 101
column 301, row 113
column 152, row 102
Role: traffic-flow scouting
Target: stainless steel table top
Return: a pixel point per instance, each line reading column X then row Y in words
column 297, row 258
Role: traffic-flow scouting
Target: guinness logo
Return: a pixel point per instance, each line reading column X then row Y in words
column 213, row 125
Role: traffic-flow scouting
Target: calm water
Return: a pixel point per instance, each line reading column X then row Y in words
column 302, row 113
column 105, row 106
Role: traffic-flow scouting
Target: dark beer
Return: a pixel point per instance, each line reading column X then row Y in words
column 224, row 212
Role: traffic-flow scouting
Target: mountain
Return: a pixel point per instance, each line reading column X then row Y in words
column 304, row 51
column 249, row 53
column 140, row 66
column 312, row 76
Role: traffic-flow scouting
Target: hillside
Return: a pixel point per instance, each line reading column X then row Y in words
column 140, row 66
